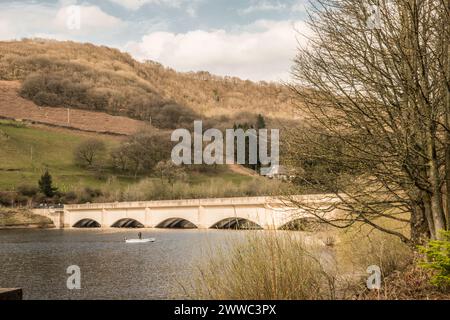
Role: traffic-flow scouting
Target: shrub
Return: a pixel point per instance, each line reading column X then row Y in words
column 27, row 190
column 21, row 200
column 153, row 189
column 46, row 99
column 69, row 197
column 94, row 193
column 7, row 198
column 40, row 198
column 437, row 258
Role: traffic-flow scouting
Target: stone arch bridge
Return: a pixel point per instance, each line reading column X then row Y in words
column 223, row 213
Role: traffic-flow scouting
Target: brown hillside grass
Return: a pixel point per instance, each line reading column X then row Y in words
column 15, row 107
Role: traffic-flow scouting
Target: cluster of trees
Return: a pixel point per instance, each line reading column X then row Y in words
column 138, row 154
column 146, row 152
column 142, row 152
column 83, row 90
column 376, row 91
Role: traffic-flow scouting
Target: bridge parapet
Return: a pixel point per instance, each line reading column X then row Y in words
column 283, row 201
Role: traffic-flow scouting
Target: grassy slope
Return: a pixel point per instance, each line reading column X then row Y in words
column 53, row 148
column 26, row 151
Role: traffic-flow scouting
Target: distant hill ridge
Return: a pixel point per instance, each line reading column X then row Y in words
column 98, row 78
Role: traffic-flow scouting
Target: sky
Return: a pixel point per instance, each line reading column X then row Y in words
column 250, row 39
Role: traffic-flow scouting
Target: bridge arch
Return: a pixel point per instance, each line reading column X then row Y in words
column 87, row 223
column 176, row 223
column 127, row 223
column 237, row 224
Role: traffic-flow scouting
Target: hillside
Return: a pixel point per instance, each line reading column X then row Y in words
column 84, row 76
column 60, row 86
column 12, row 106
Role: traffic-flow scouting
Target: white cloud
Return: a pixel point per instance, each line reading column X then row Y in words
column 132, row 4
column 261, row 51
column 136, row 4
column 6, row 31
column 91, row 17
column 263, row 6
column 35, row 20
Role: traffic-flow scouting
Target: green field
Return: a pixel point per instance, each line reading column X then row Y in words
column 26, row 151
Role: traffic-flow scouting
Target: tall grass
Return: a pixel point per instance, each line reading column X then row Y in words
column 264, row 265
column 297, row 265
column 362, row 246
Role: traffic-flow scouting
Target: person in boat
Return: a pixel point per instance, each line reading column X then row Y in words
column 140, row 236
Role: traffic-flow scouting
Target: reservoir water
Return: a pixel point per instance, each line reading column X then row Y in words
column 37, row 261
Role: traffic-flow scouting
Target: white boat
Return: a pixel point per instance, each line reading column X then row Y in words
column 140, row 240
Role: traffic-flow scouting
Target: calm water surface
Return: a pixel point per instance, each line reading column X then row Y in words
column 37, row 260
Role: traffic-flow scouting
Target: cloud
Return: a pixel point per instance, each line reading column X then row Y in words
column 261, row 51
column 137, row 4
column 33, row 20
column 263, row 6
column 91, row 17
column 6, row 31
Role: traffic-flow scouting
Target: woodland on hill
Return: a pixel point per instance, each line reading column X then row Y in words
column 85, row 76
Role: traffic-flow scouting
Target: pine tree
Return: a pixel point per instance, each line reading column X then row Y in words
column 260, row 122
column 45, row 185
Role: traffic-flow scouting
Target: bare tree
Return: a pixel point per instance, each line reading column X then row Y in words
column 119, row 158
column 379, row 92
column 167, row 170
column 88, row 152
column 142, row 151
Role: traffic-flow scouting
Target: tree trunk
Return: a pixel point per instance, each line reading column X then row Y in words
column 428, row 215
column 437, row 210
column 419, row 225
column 446, row 23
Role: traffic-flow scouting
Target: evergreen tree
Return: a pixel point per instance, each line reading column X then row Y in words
column 46, row 185
column 260, row 122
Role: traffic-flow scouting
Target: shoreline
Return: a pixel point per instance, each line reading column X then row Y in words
column 22, row 218
column 27, row 226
